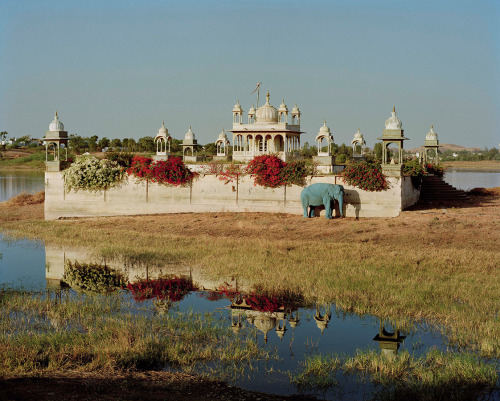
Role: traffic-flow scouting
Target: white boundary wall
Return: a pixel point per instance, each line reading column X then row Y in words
column 208, row 194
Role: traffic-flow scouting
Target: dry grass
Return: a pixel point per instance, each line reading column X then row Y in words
column 24, row 199
column 437, row 264
column 474, row 165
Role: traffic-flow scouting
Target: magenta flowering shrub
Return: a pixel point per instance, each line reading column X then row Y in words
column 169, row 172
column 364, row 175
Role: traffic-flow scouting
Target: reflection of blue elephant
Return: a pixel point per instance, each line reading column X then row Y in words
column 322, row 194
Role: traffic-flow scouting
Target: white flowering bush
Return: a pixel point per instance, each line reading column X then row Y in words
column 92, row 174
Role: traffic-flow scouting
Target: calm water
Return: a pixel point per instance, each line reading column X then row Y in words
column 13, row 183
column 466, row 180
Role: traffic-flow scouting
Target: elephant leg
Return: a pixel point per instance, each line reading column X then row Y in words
column 341, row 206
column 328, row 209
column 311, row 211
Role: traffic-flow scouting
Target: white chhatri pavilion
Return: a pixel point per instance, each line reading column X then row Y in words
column 267, row 132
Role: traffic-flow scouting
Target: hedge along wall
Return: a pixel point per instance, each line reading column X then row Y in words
column 208, row 194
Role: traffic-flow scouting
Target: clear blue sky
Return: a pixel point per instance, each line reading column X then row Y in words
column 118, row 68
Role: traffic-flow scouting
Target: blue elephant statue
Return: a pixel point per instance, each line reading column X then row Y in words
column 322, row 194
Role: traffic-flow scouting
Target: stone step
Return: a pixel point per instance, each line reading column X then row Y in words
column 435, row 189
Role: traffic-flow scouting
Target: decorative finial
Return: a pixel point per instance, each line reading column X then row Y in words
column 394, row 109
column 283, row 100
column 163, row 124
column 189, row 126
column 267, row 96
column 56, row 113
column 324, row 122
column 432, row 126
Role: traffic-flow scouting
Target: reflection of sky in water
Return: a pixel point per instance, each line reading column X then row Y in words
column 13, row 183
column 22, row 263
column 466, row 180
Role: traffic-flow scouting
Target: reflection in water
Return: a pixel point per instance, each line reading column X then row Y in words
column 388, row 342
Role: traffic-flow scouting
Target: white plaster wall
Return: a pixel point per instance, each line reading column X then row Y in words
column 208, row 194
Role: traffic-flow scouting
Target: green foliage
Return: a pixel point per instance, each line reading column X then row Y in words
column 92, row 174
column 364, row 175
column 377, row 150
column 124, row 159
column 92, row 277
column 415, row 170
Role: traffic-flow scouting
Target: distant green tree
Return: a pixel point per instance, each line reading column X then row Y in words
column 103, row 143
column 210, row 148
column 3, row 135
column 92, row 143
column 116, row 143
column 77, row 143
column 377, row 149
column 146, row 144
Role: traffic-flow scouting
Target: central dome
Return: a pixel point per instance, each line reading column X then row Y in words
column 267, row 113
column 431, row 135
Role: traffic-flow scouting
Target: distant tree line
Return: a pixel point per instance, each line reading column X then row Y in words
column 464, row 155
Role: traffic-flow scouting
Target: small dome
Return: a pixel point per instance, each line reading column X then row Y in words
column 222, row 136
column 283, row 107
column 267, row 113
column 295, row 110
column 358, row 135
column 324, row 130
column 163, row 130
column 431, row 135
column 56, row 125
column 251, row 112
column 189, row 135
column 393, row 122
column 237, row 108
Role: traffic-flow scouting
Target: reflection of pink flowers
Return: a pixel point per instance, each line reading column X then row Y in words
column 257, row 301
column 169, row 289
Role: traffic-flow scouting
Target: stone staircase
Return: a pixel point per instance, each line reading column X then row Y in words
column 435, row 190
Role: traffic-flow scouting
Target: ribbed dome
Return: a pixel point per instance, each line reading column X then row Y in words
column 393, row 122
column 267, row 113
column 295, row 109
column 358, row 135
column 237, row 107
column 222, row 136
column 283, row 107
column 163, row 130
column 265, row 323
column 56, row 125
column 251, row 112
column 324, row 130
column 431, row 135
column 189, row 135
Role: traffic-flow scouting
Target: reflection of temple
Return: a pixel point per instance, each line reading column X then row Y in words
column 267, row 132
column 263, row 321
column 322, row 318
column 388, row 342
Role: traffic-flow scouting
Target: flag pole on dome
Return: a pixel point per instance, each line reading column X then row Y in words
column 257, row 89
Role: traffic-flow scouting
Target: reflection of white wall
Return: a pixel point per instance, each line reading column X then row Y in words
column 208, row 194
column 56, row 257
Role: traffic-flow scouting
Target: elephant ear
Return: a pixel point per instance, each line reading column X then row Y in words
column 337, row 189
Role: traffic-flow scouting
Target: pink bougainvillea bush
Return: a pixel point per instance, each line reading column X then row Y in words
column 364, row 175
column 169, row 172
column 270, row 171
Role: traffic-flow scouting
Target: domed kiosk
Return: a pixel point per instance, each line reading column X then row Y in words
column 189, row 145
column 358, row 145
column 431, row 147
column 392, row 134
column 163, row 140
column 267, row 131
column 54, row 139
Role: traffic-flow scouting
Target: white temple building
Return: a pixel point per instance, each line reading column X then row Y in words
column 268, row 131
